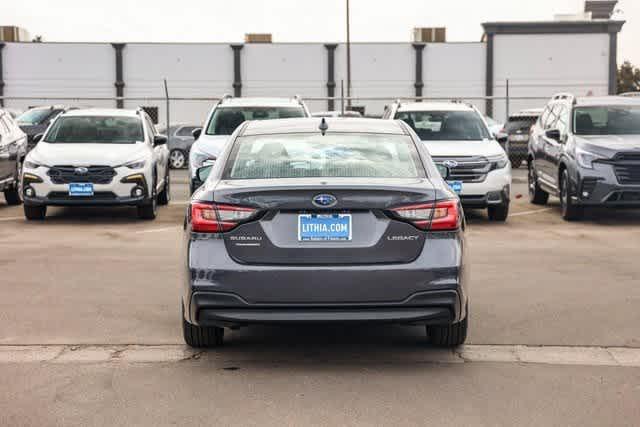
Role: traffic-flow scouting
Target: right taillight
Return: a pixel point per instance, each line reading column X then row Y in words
column 438, row 216
column 218, row 218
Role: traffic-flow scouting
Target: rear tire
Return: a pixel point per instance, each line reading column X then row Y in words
column 537, row 195
column 13, row 196
column 570, row 211
column 448, row 335
column 201, row 336
column 498, row 213
column 35, row 213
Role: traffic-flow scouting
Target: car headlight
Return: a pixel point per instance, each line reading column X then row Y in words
column 31, row 164
column 585, row 159
column 137, row 164
column 498, row 162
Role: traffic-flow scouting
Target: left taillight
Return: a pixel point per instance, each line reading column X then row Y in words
column 439, row 216
column 218, row 218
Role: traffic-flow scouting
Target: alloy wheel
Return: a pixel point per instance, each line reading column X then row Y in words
column 177, row 159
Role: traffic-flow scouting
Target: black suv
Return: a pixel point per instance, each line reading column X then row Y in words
column 517, row 129
column 586, row 151
column 36, row 120
column 13, row 148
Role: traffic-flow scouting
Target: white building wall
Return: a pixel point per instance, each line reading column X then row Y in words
column 543, row 64
column 377, row 70
column 58, row 70
column 285, row 69
column 455, row 70
column 191, row 70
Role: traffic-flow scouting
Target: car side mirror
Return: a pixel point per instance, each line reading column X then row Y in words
column 160, row 140
column 553, row 134
column 37, row 138
column 501, row 137
column 196, row 133
column 203, row 172
column 444, row 171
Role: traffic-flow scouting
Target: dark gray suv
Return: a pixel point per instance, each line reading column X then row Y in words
column 586, row 151
column 324, row 220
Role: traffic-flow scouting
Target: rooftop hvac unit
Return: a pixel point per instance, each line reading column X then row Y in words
column 430, row 35
column 257, row 38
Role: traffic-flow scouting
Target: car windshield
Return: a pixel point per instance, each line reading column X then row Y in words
column 96, row 129
column 226, row 119
column 314, row 155
column 35, row 116
column 446, row 125
column 607, row 120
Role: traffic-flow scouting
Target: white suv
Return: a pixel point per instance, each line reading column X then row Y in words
column 226, row 116
column 457, row 136
column 97, row 157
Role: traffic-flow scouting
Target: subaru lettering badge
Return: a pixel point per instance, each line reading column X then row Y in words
column 450, row 163
column 324, row 200
column 81, row 170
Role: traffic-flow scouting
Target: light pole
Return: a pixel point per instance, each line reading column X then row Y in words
column 348, row 58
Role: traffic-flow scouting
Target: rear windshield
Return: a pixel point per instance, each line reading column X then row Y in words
column 226, row 119
column 607, row 120
column 446, row 125
column 520, row 123
column 316, row 156
column 96, row 129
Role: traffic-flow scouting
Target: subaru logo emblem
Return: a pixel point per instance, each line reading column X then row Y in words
column 324, row 200
column 450, row 163
column 81, row 170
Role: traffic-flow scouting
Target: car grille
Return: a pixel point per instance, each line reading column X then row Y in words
column 469, row 169
column 94, row 174
column 98, row 195
column 627, row 168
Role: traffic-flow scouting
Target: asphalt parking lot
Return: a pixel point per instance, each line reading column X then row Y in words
column 90, row 332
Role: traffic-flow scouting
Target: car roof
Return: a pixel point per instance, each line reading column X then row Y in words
column 259, row 102
column 528, row 113
column 607, row 100
column 117, row 112
column 311, row 125
column 434, row 106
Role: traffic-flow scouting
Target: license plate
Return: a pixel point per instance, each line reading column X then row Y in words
column 455, row 186
column 324, row 227
column 518, row 138
column 81, row 189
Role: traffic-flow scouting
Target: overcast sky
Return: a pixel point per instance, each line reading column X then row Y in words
column 287, row 20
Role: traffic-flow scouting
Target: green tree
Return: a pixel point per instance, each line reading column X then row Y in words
column 628, row 78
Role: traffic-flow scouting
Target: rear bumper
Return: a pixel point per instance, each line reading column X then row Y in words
column 229, row 310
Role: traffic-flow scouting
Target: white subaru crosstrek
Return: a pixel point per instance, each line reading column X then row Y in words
column 226, row 116
column 457, row 136
column 97, row 157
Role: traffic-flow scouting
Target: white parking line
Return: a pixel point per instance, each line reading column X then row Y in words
column 530, row 212
column 158, row 230
column 12, row 218
column 549, row 355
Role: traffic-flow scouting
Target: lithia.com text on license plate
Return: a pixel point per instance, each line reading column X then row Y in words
column 324, row 227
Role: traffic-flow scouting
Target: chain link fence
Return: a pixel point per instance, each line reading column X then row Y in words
column 172, row 113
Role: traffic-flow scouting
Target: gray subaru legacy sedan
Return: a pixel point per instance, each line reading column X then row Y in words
column 320, row 221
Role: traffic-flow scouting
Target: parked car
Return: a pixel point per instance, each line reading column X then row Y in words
column 354, row 114
column 494, row 126
column 456, row 135
column 180, row 141
column 632, row 94
column 36, row 120
column 324, row 220
column 13, row 148
column 517, row 129
column 586, row 151
column 226, row 116
column 97, row 157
